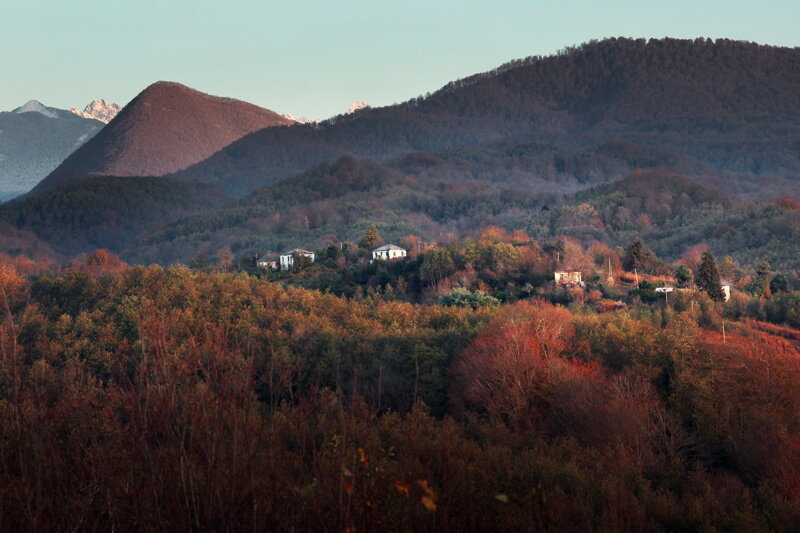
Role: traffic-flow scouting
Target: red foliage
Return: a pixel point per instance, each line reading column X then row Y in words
column 99, row 262
column 518, row 363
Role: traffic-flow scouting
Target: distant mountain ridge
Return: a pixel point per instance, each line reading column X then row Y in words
column 731, row 104
column 166, row 128
column 34, row 139
column 98, row 110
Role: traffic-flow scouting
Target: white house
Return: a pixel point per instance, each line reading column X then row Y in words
column 567, row 277
column 726, row 288
column 388, row 251
column 287, row 259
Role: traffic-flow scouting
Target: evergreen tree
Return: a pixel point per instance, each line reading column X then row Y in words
column 637, row 255
column 372, row 238
column 760, row 284
column 708, row 277
column 683, row 275
column 779, row 284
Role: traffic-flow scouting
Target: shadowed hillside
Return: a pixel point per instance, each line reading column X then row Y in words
column 106, row 212
column 425, row 194
column 730, row 104
column 34, row 140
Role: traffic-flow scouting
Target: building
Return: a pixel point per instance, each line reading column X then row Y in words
column 267, row 262
column 287, row 259
column 568, row 277
column 726, row 288
column 388, row 251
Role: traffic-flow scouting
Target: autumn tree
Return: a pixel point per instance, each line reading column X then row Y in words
column 372, row 238
column 727, row 268
column 510, row 369
column 693, row 256
column 708, row 277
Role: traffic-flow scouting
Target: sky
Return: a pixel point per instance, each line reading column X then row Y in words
column 315, row 58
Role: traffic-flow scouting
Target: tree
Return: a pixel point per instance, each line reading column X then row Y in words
column 557, row 248
column 760, row 284
column 300, row 261
column 462, row 297
column 708, row 277
column 372, row 238
column 518, row 363
column 683, row 274
column 638, row 256
column 727, row 268
column 779, row 284
column 436, row 265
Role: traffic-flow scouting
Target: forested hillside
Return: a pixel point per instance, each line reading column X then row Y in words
column 219, row 401
column 672, row 214
column 422, row 193
column 106, row 212
column 733, row 105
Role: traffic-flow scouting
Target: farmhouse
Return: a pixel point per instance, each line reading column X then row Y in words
column 568, row 277
column 388, row 251
column 287, row 259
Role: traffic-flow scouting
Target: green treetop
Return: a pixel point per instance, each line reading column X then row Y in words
column 708, row 277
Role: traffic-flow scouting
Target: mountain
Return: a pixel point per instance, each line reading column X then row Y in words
column 357, row 106
column 730, row 104
column 34, row 139
column 104, row 212
column 98, row 110
column 166, row 128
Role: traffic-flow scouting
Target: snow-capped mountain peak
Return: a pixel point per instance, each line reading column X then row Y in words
column 357, row 106
column 98, row 110
column 35, row 106
column 301, row 120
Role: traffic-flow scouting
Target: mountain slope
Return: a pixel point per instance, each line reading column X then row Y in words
column 106, row 212
column 731, row 104
column 167, row 127
column 672, row 213
column 34, row 139
column 424, row 194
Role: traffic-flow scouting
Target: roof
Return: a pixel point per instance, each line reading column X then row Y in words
column 387, row 248
column 297, row 250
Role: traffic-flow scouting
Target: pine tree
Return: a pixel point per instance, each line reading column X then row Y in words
column 372, row 239
column 708, row 277
column 637, row 255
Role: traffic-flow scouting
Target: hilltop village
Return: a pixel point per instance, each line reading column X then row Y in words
column 497, row 266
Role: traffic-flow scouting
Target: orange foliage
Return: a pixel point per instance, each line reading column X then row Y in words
column 27, row 266
column 99, row 262
column 518, row 362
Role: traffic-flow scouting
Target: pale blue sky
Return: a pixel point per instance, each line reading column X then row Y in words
column 315, row 58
